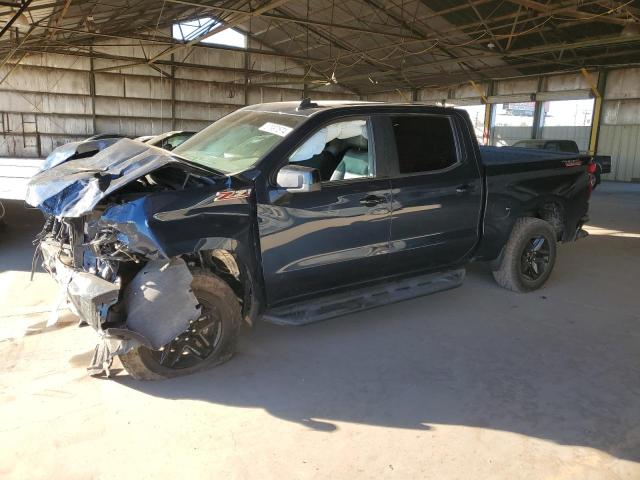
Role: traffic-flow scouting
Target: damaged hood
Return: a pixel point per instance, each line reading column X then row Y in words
column 84, row 148
column 74, row 188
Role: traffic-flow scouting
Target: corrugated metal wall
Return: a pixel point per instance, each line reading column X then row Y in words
column 47, row 100
column 622, row 142
column 620, row 130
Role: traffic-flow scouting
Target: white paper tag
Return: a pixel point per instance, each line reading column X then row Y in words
column 276, row 129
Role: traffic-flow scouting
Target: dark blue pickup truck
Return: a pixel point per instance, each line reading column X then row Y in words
column 293, row 213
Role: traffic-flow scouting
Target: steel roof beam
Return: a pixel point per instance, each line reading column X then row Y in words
column 23, row 8
column 302, row 21
column 542, row 8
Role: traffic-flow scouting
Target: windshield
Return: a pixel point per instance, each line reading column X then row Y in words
column 238, row 141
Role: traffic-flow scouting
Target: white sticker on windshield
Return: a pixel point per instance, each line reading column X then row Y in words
column 276, row 129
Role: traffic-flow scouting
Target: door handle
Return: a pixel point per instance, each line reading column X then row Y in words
column 372, row 200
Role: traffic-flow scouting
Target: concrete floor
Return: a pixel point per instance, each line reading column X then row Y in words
column 476, row 382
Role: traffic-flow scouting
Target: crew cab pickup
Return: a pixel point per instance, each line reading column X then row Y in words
column 293, row 213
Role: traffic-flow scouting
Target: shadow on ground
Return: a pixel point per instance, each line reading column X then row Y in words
column 559, row 380
column 559, row 364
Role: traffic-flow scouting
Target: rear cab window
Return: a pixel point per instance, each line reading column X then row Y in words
column 424, row 143
column 553, row 146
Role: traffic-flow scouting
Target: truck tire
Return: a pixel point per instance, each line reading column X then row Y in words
column 598, row 175
column 528, row 257
column 209, row 341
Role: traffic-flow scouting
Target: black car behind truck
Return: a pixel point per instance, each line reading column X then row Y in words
column 293, row 213
column 603, row 162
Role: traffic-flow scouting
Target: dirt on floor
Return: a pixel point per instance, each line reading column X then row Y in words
column 476, row 382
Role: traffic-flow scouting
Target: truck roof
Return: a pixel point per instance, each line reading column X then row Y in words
column 307, row 108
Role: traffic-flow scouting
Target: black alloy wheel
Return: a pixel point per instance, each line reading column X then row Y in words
column 535, row 258
column 195, row 345
column 208, row 341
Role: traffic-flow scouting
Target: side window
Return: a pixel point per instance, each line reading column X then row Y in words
column 424, row 143
column 340, row 151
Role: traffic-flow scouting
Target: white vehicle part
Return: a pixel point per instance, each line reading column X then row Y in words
column 318, row 141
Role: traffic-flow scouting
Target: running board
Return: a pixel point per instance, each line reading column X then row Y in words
column 323, row 308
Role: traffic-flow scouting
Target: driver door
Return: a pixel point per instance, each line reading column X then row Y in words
column 336, row 236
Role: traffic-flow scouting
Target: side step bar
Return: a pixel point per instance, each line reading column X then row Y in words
column 363, row 298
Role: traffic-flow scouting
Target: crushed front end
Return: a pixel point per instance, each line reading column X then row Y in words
column 129, row 232
column 109, row 221
column 118, row 292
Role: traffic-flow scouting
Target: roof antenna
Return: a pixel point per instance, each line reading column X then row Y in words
column 306, row 103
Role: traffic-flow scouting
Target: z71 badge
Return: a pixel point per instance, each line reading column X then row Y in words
column 232, row 195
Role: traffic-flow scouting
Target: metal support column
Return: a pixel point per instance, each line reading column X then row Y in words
column 173, row 93
column 488, row 114
column 245, row 80
column 92, row 92
column 536, row 131
column 598, row 91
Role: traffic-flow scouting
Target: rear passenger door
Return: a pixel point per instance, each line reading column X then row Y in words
column 436, row 191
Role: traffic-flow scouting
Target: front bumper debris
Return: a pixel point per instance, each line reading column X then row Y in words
column 158, row 302
column 89, row 296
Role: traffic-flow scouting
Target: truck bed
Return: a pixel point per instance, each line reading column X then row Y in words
column 506, row 160
column 512, row 155
column 520, row 180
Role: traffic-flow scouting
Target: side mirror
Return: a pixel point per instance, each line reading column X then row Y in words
column 298, row 178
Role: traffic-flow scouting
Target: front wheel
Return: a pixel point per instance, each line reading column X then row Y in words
column 529, row 256
column 210, row 340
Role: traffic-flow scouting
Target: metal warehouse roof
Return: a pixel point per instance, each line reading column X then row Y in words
column 362, row 45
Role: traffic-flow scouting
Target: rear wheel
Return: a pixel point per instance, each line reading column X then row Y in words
column 210, row 340
column 529, row 256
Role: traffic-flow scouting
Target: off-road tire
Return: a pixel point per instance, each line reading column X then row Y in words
column 140, row 362
column 510, row 271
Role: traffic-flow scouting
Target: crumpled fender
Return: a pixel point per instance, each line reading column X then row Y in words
column 159, row 301
column 160, row 306
column 173, row 223
column 75, row 187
